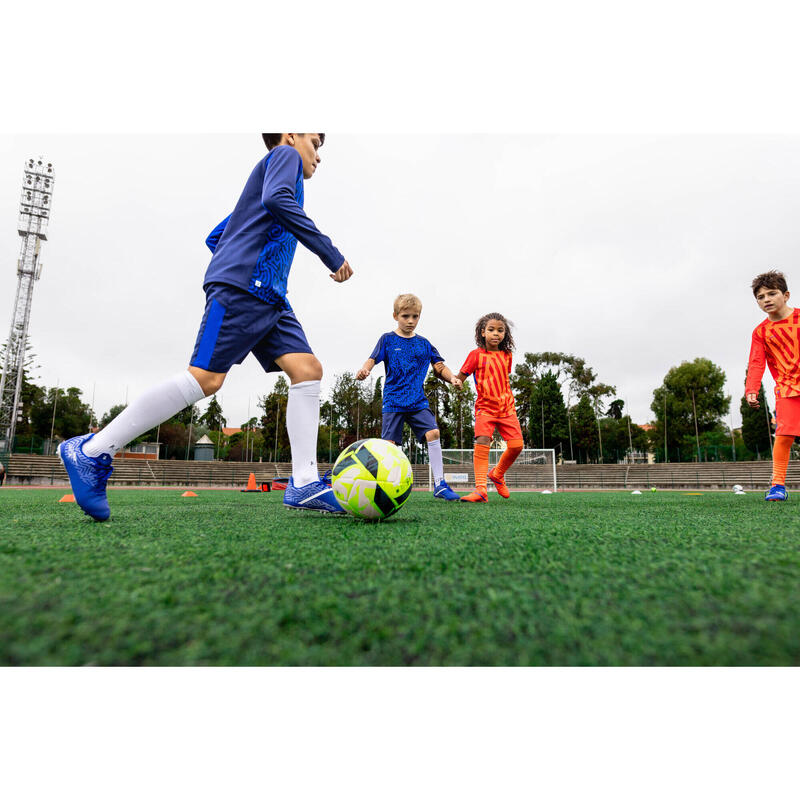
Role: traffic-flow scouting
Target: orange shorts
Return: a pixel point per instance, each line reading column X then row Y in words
column 787, row 414
column 508, row 426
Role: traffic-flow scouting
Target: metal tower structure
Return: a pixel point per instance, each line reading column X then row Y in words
column 34, row 214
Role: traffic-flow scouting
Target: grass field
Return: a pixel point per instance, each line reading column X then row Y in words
column 567, row 579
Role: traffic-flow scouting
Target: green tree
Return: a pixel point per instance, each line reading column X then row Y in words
column 112, row 413
column 72, row 416
column 620, row 433
column 690, row 402
column 347, row 400
column 461, row 423
column 273, row 422
column 212, row 418
column 548, row 414
column 756, row 428
column 584, row 429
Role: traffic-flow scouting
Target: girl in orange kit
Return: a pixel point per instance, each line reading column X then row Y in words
column 490, row 363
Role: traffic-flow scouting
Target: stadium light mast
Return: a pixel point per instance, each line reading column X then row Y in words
column 34, row 214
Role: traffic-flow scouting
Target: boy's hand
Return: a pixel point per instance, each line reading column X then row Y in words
column 752, row 400
column 361, row 374
column 457, row 382
column 343, row 273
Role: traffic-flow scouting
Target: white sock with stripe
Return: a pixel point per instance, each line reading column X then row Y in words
column 302, row 424
column 145, row 412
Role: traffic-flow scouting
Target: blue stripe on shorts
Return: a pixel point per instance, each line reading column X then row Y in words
column 208, row 342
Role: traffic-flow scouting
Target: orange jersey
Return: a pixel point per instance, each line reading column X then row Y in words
column 491, row 370
column 776, row 344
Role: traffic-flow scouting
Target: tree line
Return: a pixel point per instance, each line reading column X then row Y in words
column 560, row 402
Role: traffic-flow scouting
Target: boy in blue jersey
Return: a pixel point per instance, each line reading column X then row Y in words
column 246, row 312
column 407, row 357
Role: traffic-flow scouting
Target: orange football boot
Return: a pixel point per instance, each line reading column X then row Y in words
column 478, row 496
column 500, row 485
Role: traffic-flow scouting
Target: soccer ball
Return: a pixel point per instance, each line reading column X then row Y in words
column 372, row 479
column 737, row 487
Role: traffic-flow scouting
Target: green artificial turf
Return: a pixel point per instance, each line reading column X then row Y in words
column 234, row 579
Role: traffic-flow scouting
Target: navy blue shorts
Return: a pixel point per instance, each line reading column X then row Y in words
column 236, row 323
column 420, row 421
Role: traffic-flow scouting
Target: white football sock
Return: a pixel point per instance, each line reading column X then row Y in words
column 145, row 412
column 435, row 456
column 302, row 424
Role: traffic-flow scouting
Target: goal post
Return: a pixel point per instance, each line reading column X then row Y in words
column 534, row 469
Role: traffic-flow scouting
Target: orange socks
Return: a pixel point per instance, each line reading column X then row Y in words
column 513, row 449
column 480, row 458
column 780, row 459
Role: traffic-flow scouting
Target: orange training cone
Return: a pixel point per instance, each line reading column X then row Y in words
column 251, row 484
column 67, row 498
column 188, row 494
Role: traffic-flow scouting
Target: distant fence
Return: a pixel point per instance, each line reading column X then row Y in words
column 26, row 469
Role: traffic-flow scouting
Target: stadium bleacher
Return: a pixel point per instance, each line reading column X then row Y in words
column 37, row 470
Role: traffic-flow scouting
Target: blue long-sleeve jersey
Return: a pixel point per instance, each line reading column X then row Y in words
column 253, row 248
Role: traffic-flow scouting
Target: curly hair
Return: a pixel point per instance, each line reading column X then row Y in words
column 770, row 280
column 508, row 340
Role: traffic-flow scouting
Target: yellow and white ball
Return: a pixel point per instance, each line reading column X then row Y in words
column 372, row 478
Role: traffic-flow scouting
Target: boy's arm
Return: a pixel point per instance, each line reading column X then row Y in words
column 445, row 373
column 213, row 238
column 375, row 356
column 366, row 369
column 277, row 196
column 755, row 368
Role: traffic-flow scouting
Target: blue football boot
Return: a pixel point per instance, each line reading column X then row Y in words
column 88, row 476
column 776, row 492
column 317, row 496
column 444, row 492
column 326, row 478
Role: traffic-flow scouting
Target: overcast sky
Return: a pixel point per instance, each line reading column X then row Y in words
column 634, row 252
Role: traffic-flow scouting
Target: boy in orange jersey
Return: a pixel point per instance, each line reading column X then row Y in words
column 490, row 363
column 776, row 342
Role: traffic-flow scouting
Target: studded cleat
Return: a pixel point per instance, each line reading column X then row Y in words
column 499, row 484
column 443, row 492
column 776, row 492
column 317, row 496
column 88, row 476
column 478, row 496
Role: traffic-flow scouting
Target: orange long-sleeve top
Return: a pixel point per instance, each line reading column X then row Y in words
column 776, row 345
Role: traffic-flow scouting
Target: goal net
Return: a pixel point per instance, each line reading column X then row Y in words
column 533, row 469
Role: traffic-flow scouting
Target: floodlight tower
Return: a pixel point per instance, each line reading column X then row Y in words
column 34, row 214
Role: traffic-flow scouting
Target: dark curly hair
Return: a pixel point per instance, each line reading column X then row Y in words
column 508, row 340
column 274, row 139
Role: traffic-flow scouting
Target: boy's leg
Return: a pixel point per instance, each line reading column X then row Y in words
column 286, row 348
column 88, row 458
column 302, row 413
column 440, row 488
column 305, row 490
column 787, row 414
column 780, row 461
column 157, row 404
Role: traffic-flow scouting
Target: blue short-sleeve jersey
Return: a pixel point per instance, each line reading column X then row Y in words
column 406, row 362
column 253, row 248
